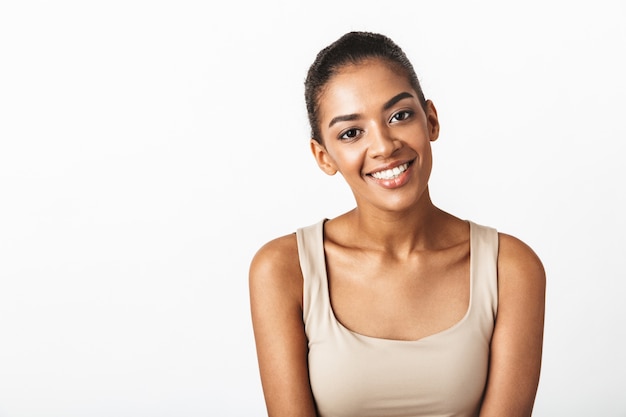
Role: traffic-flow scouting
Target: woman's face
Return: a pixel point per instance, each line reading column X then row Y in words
column 377, row 135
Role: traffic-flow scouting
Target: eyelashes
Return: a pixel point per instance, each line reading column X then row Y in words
column 350, row 134
column 400, row 116
column 353, row 133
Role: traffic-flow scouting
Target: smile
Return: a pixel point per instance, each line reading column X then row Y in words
column 389, row 174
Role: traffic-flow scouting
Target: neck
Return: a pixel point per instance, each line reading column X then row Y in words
column 399, row 232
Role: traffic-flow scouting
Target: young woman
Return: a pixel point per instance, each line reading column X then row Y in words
column 395, row 308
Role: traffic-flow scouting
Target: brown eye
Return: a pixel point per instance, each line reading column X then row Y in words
column 349, row 134
column 401, row 115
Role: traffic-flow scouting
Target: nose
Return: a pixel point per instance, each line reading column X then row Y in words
column 382, row 143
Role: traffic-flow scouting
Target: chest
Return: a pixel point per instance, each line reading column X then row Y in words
column 444, row 375
column 408, row 299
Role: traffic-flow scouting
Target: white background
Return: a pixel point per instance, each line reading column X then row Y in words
column 149, row 148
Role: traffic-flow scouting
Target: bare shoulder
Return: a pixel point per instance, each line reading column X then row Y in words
column 516, row 345
column 521, row 282
column 518, row 262
column 276, row 305
column 276, row 267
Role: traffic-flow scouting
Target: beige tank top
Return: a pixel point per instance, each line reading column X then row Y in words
column 443, row 374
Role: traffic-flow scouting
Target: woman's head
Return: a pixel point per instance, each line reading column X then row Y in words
column 352, row 48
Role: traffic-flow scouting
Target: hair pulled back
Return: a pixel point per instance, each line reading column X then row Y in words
column 351, row 48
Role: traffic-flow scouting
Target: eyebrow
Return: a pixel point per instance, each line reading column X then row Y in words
column 397, row 98
column 344, row 118
column 354, row 116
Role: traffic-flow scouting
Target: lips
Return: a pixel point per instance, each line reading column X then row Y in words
column 391, row 173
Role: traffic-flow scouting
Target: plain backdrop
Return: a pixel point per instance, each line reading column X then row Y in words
column 149, row 148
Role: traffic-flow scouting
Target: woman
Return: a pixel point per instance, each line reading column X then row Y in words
column 395, row 308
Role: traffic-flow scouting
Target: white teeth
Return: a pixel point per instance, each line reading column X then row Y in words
column 390, row 173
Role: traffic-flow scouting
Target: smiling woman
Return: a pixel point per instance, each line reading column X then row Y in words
column 395, row 307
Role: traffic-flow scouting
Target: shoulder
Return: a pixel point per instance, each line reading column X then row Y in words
column 276, row 307
column 276, row 267
column 521, row 276
column 517, row 260
column 278, row 254
column 516, row 344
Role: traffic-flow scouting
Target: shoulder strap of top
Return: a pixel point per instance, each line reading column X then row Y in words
column 484, row 267
column 312, row 263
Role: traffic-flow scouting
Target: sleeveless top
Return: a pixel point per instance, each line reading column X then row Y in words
column 443, row 374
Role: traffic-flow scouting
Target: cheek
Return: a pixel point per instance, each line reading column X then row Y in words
column 427, row 161
column 350, row 160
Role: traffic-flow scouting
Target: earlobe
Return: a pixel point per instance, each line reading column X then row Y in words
column 433, row 121
column 324, row 161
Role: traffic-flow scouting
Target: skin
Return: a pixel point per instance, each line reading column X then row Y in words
column 398, row 266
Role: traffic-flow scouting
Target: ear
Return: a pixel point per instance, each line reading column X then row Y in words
column 323, row 159
column 433, row 121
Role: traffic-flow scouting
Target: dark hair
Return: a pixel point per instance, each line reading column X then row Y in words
column 351, row 48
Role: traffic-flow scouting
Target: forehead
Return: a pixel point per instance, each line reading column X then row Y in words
column 357, row 87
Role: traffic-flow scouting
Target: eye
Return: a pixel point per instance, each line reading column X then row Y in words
column 401, row 115
column 349, row 134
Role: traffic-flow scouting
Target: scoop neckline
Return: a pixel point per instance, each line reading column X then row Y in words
column 376, row 339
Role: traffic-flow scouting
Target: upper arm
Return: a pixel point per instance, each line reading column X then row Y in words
column 276, row 305
column 516, row 346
